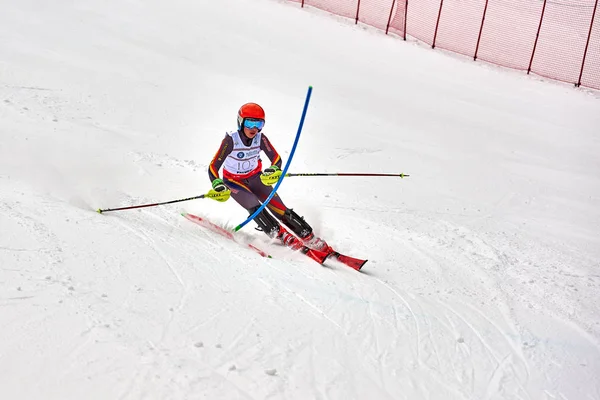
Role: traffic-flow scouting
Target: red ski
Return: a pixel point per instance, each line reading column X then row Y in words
column 222, row 231
column 355, row 263
column 318, row 256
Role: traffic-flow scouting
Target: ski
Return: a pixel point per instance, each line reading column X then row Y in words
column 354, row 263
column 318, row 256
column 222, row 231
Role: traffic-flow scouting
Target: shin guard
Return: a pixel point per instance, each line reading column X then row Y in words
column 296, row 223
column 266, row 222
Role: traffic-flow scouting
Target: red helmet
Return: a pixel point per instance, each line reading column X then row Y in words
column 250, row 110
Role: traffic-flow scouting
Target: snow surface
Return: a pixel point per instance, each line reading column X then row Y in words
column 484, row 266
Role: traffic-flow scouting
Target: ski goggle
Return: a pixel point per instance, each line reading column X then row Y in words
column 254, row 123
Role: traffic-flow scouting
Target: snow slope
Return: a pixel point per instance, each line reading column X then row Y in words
column 484, row 272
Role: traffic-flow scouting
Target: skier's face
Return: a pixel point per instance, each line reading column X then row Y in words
column 252, row 126
column 250, row 132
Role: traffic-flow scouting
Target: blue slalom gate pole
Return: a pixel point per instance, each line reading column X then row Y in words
column 287, row 165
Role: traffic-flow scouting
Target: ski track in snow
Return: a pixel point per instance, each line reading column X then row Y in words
column 461, row 298
column 423, row 318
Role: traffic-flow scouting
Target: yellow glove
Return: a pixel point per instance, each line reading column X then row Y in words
column 270, row 176
column 219, row 192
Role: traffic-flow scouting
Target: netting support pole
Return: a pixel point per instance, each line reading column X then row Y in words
column 437, row 24
column 587, row 44
column 537, row 36
column 480, row 31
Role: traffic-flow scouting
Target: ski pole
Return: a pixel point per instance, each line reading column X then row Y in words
column 401, row 175
column 207, row 195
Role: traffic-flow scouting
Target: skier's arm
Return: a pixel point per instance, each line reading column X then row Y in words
column 219, row 158
column 267, row 147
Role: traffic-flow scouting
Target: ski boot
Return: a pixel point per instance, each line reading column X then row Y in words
column 274, row 230
column 316, row 243
column 301, row 228
column 288, row 239
column 268, row 224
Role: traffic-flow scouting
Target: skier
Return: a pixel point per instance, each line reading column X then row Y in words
column 249, row 185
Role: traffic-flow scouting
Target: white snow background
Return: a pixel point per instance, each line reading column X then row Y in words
column 483, row 278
